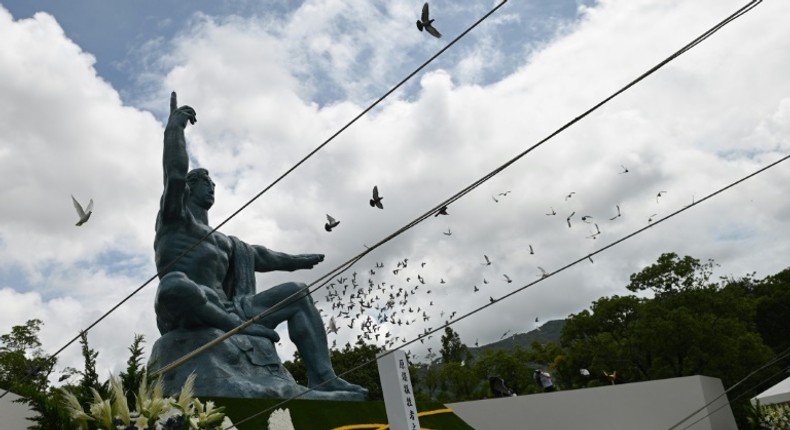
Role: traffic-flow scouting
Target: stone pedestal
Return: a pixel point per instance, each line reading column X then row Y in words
column 241, row 366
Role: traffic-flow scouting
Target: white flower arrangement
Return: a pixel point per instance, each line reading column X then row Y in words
column 773, row 417
column 280, row 419
column 153, row 411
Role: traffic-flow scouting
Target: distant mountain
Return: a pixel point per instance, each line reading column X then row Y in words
column 547, row 333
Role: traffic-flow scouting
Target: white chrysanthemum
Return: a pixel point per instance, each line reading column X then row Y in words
column 280, row 419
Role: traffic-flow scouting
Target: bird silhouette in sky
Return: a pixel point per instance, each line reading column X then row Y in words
column 505, row 193
column 570, row 195
column 495, row 199
column 586, row 218
column 650, row 220
column 616, row 216
column 491, row 299
column 531, row 251
column 625, row 169
column 84, row 214
column 507, row 278
column 543, row 273
column 476, row 289
column 331, row 223
column 426, row 23
column 442, row 211
column 448, row 232
column 376, row 200
column 569, row 218
column 660, row 193
column 552, row 212
column 488, row 262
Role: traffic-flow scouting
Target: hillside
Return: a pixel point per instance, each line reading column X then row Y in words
column 548, row 332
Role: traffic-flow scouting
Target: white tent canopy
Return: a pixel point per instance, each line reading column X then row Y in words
column 779, row 393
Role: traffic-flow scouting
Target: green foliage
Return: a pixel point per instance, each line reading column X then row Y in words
column 458, row 381
column 351, row 358
column 769, row 417
column 132, row 378
column 773, row 310
column 22, row 362
column 690, row 327
column 453, row 350
column 347, row 359
column 90, row 379
column 671, row 273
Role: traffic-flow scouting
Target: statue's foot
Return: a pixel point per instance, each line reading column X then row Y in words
column 338, row 384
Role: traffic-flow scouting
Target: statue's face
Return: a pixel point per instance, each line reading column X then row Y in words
column 202, row 192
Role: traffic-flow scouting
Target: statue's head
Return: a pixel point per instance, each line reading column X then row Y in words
column 201, row 188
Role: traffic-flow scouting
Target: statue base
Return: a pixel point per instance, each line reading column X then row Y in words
column 242, row 366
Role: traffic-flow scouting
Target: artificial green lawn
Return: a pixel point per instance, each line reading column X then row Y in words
column 326, row 415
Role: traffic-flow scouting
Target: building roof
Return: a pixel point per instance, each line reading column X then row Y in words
column 779, row 393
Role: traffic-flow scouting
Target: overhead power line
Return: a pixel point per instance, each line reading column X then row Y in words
column 346, row 265
column 779, row 357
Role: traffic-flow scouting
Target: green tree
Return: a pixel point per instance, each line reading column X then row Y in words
column 132, row 378
column 453, row 350
column 90, row 379
column 22, row 362
column 773, row 310
column 690, row 327
column 349, row 359
column 511, row 366
column 459, row 382
column 671, row 274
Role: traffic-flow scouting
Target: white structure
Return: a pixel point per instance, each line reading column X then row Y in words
column 648, row 405
column 398, row 394
column 778, row 394
column 14, row 415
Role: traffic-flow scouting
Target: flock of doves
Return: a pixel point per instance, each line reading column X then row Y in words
column 375, row 306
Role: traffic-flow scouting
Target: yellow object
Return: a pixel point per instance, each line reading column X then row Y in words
column 387, row 426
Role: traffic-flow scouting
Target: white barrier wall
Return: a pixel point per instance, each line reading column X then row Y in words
column 643, row 405
column 14, row 415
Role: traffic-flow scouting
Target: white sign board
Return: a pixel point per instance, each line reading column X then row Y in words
column 398, row 394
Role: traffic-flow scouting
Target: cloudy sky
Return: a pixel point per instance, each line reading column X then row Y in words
column 85, row 89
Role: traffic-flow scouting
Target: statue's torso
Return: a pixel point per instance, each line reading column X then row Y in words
column 207, row 264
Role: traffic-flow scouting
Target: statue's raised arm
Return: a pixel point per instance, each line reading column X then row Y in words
column 175, row 162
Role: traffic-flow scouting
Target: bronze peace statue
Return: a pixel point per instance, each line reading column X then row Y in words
column 211, row 290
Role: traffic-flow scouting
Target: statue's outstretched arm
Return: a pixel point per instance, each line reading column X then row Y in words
column 267, row 260
column 175, row 161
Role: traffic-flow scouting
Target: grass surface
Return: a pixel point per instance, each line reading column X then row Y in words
column 327, row 415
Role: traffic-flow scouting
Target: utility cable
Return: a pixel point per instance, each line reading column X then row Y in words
column 345, row 266
column 550, row 274
column 783, row 355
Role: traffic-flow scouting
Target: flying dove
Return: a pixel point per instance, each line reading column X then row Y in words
column 376, row 200
column 331, row 223
column 84, row 214
column 426, row 23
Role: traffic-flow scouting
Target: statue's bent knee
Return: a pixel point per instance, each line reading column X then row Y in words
column 176, row 298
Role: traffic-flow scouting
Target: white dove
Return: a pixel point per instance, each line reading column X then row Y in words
column 332, row 326
column 84, row 214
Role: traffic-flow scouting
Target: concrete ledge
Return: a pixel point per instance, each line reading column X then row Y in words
column 14, row 415
column 643, row 405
